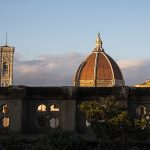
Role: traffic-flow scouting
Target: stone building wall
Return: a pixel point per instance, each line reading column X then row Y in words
column 139, row 103
column 39, row 109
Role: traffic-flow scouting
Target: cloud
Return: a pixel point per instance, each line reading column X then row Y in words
column 50, row 70
column 46, row 70
column 131, row 63
column 135, row 71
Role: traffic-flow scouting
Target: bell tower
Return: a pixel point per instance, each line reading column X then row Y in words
column 6, row 65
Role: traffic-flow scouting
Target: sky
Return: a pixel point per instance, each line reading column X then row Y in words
column 52, row 37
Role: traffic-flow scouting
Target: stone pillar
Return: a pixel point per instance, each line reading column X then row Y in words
column 69, row 115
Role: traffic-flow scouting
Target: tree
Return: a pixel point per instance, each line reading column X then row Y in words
column 111, row 122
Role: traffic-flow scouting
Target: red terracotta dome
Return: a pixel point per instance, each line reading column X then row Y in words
column 99, row 69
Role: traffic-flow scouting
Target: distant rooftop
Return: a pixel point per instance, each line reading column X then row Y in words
column 145, row 84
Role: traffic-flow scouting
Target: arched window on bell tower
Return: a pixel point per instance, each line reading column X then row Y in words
column 5, row 68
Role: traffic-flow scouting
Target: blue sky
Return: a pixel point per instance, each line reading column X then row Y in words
column 57, row 35
column 37, row 27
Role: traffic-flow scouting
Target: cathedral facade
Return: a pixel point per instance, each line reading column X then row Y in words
column 27, row 110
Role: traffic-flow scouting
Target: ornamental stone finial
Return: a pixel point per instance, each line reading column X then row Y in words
column 99, row 43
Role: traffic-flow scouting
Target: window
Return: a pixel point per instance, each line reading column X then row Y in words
column 53, row 122
column 88, row 124
column 50, row 116
column 5, row 122
column 147, row 117
column 5, row 68
column 41, row 108
column 54, row 108
column 5, row 84
column 41, row 121
column 141, row 110
column 5, row 108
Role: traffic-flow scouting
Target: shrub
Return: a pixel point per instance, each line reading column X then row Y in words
column 59, row 140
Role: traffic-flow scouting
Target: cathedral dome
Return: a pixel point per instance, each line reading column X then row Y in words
column 99, row 70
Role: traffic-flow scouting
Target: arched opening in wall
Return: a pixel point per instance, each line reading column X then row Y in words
column 147, row 117
column 41, row 121
column 88, row 124
column 54, row 107
column 54, row 122
column 5, row 108
column 5, row 122
column 5, row 68
column 41, row 108
column 141, row 110
column 6, row 84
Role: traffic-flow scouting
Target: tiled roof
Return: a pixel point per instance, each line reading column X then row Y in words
column 101, row 67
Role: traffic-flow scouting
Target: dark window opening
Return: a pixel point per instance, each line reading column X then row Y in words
column 41, row 121
column 5, row 68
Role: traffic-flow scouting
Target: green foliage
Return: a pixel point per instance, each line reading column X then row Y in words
column 59, row 140
column 9, row 143
column 140, row 122
column 111, row 122
column 54, row 140
column 101, row 109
